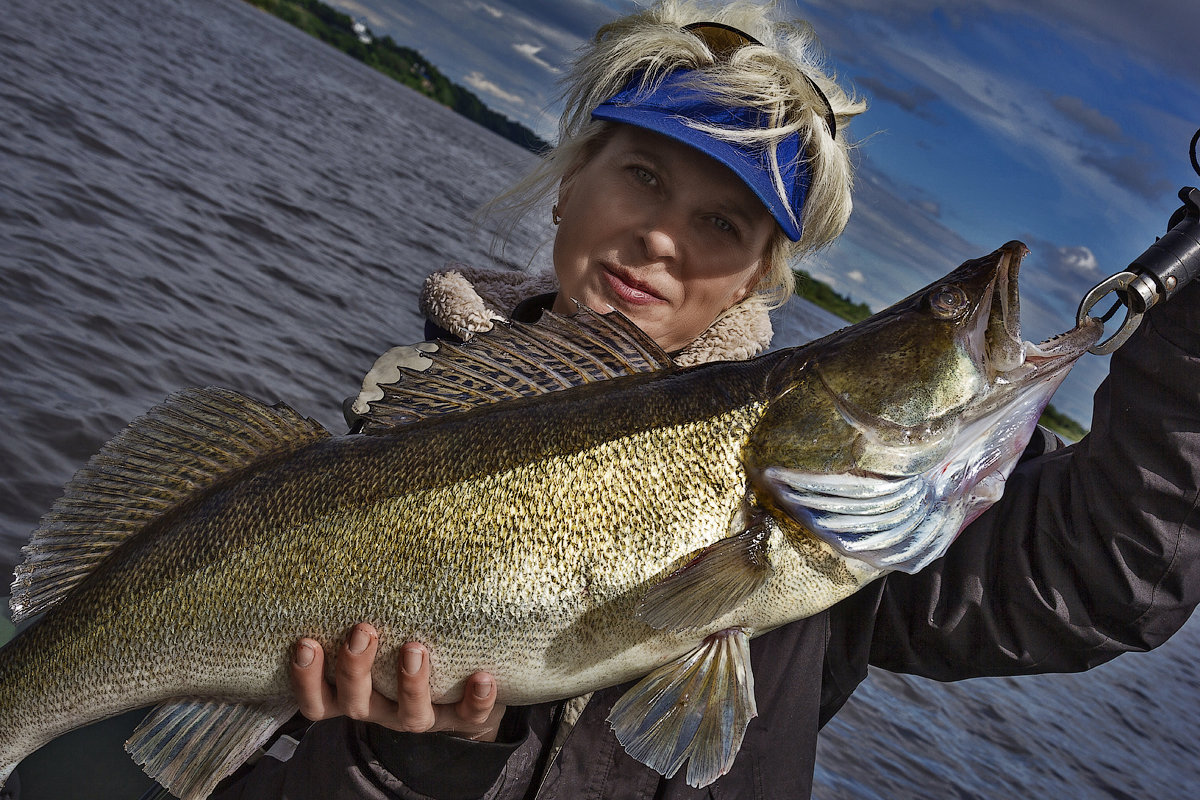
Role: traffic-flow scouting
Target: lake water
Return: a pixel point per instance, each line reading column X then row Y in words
column 195, row 193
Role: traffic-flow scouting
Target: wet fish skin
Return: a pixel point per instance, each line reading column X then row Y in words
column 521, row 537
column 209, row 600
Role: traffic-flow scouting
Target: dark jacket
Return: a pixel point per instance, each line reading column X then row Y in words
column 1093, row 551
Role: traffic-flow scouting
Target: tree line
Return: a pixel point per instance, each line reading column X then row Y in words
column 398, row 62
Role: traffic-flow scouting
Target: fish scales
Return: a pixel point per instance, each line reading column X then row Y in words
column 358, row 544
column 565, row 541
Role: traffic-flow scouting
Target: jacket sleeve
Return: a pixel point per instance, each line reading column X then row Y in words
column 1093, row 551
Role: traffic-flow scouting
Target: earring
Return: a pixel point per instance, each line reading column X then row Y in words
column 554, row 217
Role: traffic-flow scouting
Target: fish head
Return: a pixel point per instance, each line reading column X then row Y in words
column 912, row 417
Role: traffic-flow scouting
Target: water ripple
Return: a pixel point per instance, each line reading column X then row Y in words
column 195, row 193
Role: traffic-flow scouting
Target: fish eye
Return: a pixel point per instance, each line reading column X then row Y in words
column 948, row 302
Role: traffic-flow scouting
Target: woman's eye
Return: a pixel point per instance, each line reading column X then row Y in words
column 644, row 175
column 724, row 225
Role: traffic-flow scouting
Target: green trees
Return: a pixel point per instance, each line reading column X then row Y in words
column 397, row 62
column 822, row 294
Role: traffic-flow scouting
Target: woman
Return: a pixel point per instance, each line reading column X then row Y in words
column 680, row 202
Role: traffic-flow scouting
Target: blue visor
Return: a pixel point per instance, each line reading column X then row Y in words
column 669, row 109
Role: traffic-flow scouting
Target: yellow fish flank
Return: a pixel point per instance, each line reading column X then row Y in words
column 567, row 515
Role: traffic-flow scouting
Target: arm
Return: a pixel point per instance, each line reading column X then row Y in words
column 1093, row 551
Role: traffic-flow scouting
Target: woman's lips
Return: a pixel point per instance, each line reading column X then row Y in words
column 630, row 290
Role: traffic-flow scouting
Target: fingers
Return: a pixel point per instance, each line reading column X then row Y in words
column 478, row 700
column 353, row 695
column 313, row 694
column 414, row 710
column 476, row 715
column 352, row 671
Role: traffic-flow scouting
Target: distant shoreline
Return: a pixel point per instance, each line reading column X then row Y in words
column 400, row 63
column 822, row 294
column 411, row 68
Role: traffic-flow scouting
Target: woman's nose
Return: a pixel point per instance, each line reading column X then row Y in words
column 660, row 240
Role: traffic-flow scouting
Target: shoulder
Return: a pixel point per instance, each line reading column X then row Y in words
column 466, row 300
column 742, row 332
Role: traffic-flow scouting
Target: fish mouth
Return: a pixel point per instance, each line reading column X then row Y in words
column 1010, row 363
column 915, row 481
column 980, row 303
column 1020, row 378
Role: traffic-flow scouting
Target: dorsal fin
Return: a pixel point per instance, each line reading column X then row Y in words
column 157, row 462
column 518, row 359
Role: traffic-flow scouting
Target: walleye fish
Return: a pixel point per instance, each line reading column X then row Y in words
column 557, row 504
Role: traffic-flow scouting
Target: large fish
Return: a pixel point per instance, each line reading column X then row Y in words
column 557, row 504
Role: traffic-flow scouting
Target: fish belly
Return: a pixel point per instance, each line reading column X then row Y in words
column 531, row 572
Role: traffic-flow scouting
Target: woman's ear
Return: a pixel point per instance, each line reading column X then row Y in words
column 564, row 194
column 567, row 182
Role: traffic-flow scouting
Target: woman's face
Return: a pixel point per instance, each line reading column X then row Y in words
column 660, row 232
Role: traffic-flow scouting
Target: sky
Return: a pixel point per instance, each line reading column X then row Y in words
column 1062, row 123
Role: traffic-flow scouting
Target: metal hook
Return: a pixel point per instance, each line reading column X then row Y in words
column 1157, row 274
column 1119, row 283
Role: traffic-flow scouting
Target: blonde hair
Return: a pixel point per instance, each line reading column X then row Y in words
column 774, row 77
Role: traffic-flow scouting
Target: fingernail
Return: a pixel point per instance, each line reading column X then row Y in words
column 359, row 639
column 410, row 660
column 304, row 654
column 483, row 688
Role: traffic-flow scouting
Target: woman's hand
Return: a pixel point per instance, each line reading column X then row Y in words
column 475, row 716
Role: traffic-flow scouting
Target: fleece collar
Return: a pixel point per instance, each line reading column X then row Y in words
column 467, row 300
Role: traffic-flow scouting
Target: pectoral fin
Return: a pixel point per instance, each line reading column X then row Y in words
column 890, row 524
column 694, row 709
column 191, row 745
column 714, row 582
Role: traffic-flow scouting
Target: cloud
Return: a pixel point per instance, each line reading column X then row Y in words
column 976, row 73
column 1078, row 259
column 1078, row 111
column 1135, row 173
column 491, row 11
column 531, row 51
column 914, row 100
column 928, row 207
column 476, row 80
column 577, row 19
column 1161, row 36
column 374, row 19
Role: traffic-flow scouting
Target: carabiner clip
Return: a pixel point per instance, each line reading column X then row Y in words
column 1120, row 284
column 1167, row 266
